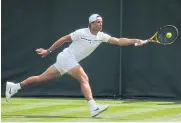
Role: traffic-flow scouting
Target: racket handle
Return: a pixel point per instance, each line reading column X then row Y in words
column 137, row 44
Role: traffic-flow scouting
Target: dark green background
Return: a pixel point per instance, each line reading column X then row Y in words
column 149, row 71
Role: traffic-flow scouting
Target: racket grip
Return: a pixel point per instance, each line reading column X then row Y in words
column 137, row 44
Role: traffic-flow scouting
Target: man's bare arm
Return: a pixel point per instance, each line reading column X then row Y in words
column 59, row 42
column 124, row 41
column 45, row 52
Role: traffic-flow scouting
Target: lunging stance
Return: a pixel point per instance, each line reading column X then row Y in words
column 83, row 42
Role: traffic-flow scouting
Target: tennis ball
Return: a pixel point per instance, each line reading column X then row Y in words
column 169, row 35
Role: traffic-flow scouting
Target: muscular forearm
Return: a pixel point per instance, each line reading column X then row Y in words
column 59, row 42
column 123, row 41
column 126, row 41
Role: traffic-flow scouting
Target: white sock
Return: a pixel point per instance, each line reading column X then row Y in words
column 18, row 86
column 92, row 104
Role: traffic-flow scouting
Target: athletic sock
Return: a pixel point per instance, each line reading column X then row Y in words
column 92, row 104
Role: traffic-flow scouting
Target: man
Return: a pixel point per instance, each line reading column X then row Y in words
column 84, row 42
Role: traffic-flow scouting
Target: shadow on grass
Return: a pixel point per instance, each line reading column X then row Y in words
column 163, row 102
column 171, row 103
column 39, row 116
column 58, row 116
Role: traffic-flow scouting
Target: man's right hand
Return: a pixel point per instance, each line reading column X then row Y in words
column 42, row 52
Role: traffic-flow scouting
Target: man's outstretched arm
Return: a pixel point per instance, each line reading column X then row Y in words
column 125, row 41
column 60, row 41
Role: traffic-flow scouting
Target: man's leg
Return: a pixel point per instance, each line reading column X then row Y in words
column 12, row 88
column 79, row 74
column 49, row 74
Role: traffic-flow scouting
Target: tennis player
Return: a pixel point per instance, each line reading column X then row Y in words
column 83, row 43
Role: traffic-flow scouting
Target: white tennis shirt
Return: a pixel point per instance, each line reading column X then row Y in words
column 84, row 43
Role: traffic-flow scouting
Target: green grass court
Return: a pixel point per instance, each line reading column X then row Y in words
column 76, row 110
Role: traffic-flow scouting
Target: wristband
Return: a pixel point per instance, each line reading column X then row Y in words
column 49, row 51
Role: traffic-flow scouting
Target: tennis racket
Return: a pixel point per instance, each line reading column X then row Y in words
column 165, row 35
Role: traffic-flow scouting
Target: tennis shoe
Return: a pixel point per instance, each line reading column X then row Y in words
column 10, row 90
column 99, row 110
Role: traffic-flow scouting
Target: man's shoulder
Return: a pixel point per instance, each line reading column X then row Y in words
column 82, row 29
column 103, row 33
column 79, row 31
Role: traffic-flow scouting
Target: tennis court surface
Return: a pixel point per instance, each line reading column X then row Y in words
column 76, row 110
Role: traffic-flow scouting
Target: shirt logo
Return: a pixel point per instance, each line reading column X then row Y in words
column 89, row 39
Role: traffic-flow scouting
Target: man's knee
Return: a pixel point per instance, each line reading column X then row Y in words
column 79, row 74
column 44, row 77
column 84, row 79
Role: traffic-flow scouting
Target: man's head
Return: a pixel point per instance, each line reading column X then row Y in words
column 95, row 22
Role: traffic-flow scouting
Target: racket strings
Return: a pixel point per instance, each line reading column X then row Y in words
column 162, row 34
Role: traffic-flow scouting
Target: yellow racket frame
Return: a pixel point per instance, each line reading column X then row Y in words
column 154, row 38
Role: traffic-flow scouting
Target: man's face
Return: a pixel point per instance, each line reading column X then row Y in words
column 97, row 25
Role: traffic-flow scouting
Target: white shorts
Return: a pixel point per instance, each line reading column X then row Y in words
column 65, row 62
